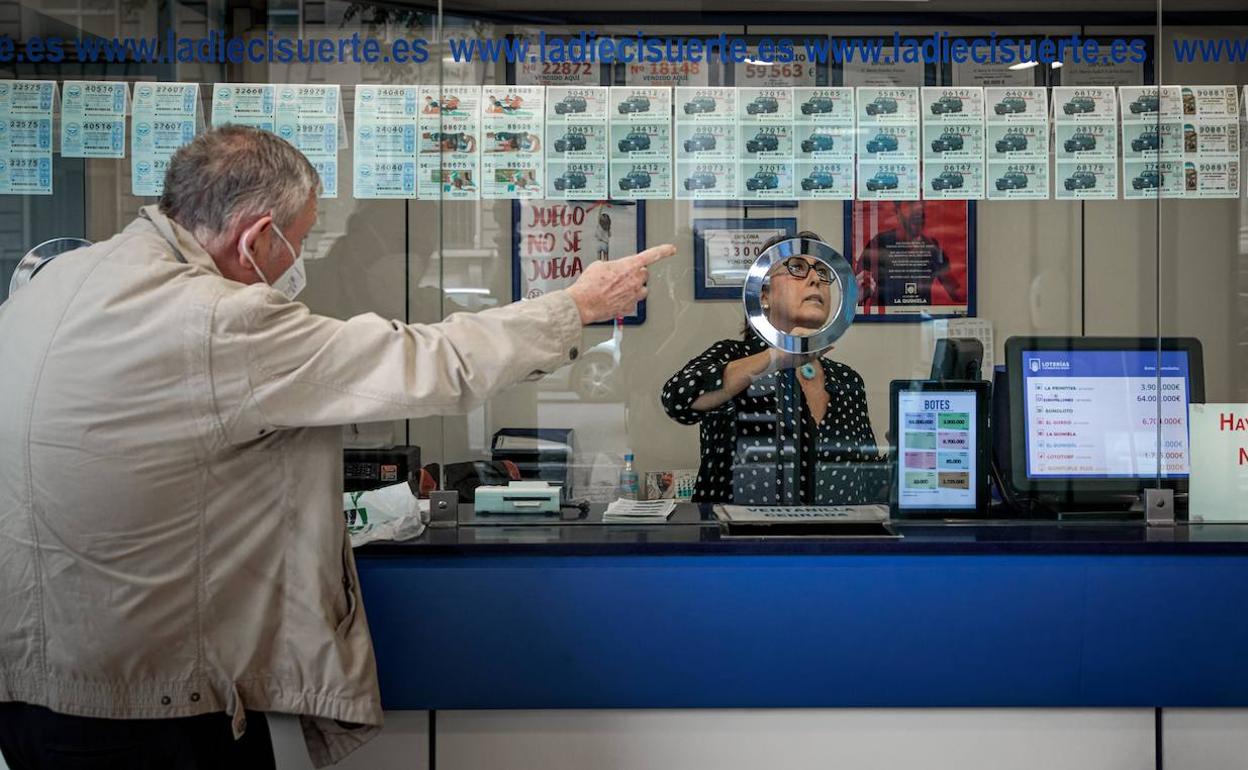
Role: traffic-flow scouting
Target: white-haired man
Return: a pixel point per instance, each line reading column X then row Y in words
column 173, row 559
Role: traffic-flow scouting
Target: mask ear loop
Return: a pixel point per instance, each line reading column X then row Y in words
column 243, row 247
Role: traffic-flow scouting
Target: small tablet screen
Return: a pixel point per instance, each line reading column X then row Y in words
column 936, row 449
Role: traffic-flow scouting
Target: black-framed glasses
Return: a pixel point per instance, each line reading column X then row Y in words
column 800, row 268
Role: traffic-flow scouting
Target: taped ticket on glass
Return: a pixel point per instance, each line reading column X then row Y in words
column 385, row 141
column 449, row 162
column 824, row 143
column 576, row 142
column 308, row 116
column 1085, row 130
column 26, row 136
column 641, row 143
column 93, row 119
column 953, row 143
column 244, row 104
column 888, row 143
column 165, row 117
column 511, row 158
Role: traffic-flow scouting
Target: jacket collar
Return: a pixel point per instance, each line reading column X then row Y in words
column 185, row 247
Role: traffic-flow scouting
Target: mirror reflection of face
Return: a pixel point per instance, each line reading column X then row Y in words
column 798, row 295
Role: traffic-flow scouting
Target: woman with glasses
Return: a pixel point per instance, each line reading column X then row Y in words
column 840, row 464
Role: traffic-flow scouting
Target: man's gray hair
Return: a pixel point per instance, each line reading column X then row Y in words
column 231, row 173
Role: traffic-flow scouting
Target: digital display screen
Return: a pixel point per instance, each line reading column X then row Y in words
column 936, row 452
column 1095, row 414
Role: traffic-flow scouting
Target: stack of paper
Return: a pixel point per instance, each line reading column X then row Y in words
column 638, row 511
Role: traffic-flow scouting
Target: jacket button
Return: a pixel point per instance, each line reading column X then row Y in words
column 573, row 353
column 165, row 700
column 194, row 697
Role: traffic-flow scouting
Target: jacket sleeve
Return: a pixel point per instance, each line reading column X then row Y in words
column 274, row 364
column 702, row 374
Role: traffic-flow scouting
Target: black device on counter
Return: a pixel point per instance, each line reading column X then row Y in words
column 940, row 461
column 541, row 454
column 957, row 358
column 365, row 469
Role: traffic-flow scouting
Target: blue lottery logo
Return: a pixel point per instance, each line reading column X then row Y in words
column 4, row 90
column 73, row 91
column 288, row 94
column 366, row 171
column 366, row 96
column 225, row 94
column 366, row 132
column 285, row 132
column 71, row 129
column 143, row 168
column 145, row 92
column 142, row 129
column 4, row 126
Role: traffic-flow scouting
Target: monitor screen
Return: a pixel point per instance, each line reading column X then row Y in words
column 1093, row 414
column 936, row 449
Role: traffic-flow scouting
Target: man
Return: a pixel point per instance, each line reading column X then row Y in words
column 173, row 559
column 897, row 267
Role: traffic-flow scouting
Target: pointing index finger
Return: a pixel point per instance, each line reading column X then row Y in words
column 654, row 254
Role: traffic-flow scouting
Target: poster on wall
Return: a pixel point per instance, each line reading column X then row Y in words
column 665, row 73
column 164, row 117
column 1085, row 136
column 914, row 260
column 706, row 143
column 553, row 242
column 777, row 67
column 532, row 71
column 765, row 116
column 576, row 142
column 1180, row 142
column 724, row 249
column 244, row 104
column 26, row 108
column 93, row 119
column 888, row 143
column 309, row 117
column 824, row 141
column 449, row 123
column 885, row 72
column 385, row 142
column 1017, row 143
column 953, row 143
column 641, row 143
column 512, row 126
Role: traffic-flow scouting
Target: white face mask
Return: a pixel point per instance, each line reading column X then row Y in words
column 291, row 282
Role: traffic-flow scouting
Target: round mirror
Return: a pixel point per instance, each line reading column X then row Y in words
column 36, row 258
column 800, row 295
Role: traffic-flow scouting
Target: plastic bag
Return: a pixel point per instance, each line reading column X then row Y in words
column 389, row 513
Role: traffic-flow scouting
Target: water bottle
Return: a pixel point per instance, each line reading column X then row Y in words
column 628, row 479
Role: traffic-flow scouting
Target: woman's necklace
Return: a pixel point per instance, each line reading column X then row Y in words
column 807, row 370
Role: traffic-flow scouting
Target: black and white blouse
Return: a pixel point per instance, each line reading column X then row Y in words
column 839, row 464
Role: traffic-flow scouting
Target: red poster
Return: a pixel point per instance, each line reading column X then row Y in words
column 914, row 260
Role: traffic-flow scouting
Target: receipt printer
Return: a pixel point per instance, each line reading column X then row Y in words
column 518, row 498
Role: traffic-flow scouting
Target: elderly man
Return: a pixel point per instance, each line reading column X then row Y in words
column 173, row 558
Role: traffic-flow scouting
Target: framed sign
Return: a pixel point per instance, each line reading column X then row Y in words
column 724, row 249
column 914, row 260
column 553, row 241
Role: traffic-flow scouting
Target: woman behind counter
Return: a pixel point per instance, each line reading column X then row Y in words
column 840, row 464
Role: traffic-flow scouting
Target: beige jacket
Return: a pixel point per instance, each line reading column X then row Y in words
column 171, row 531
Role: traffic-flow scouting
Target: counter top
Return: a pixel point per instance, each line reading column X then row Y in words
column 693, row 530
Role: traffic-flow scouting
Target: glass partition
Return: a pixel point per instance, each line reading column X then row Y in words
column 974, row 202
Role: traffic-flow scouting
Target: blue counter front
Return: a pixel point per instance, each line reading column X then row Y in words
column 677, row 616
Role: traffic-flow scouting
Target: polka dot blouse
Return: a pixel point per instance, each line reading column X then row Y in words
column 839, row 461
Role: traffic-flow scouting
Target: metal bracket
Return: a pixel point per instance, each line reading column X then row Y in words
column 1159, row 507
column 444, row 508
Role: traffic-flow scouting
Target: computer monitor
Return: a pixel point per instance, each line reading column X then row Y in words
column 1084, row 414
